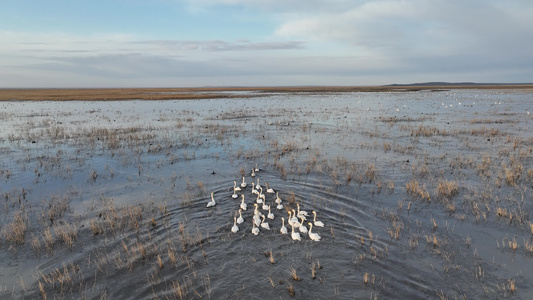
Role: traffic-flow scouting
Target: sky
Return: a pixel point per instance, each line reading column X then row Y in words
column 197, row 43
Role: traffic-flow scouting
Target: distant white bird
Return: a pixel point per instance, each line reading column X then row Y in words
column 254, row 191
column 264, row 224
column 269, row 189
column 270, row 215
column 234, row 228
column 278, row 199
column 295, row 235
column 312, row 235
column 317, row 223
column 257, row 186
column 259, row 200
column 279, row 207
column 255, row 230
column 302, row 227
column 240, row 220
column 261, row 195
column 257, row 216
column 265, row 206
column 301, row 213
column 234, row 196
column 244, row 206
column 212, row 202
column 243, row 183
column 256, row 168
column 283, row 229
column 293, row 220
column 235, row 187
column 253, row 173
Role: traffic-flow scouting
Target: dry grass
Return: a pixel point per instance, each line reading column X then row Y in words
column 202, row 93
column 370, row 173
column 368, row 278
column 414, row 188
column 290, row 289
column 180, row 290
column 15, row 232
column 511, row 285
column 41, row 289
column 413, row 241
column 447, row 189
column 67, row 233
column 513, row 172
column 294, row 276
column 427, row 131
column 396, row 229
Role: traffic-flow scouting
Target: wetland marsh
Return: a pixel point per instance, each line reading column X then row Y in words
column 424, row 194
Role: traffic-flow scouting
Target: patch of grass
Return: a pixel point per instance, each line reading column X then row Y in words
column 15, row 232
column 294, row 276
column 447, row 189
column 290, row 289
column 414, row 188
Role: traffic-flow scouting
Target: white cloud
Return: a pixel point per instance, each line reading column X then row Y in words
column 399, row 27
column 220, row 45
column 314, row 42
column 116, row 59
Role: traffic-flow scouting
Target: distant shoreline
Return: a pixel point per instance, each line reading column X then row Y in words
column 110, row 94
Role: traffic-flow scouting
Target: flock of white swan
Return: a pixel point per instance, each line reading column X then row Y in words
column 295, row 219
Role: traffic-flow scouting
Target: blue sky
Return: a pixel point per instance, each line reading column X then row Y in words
column 178, row 43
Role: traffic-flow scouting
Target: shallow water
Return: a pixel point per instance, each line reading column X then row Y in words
column 107, row 199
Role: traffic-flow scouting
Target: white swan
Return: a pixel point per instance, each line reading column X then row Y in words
column 270, row 215
column 294, row 219
column 254, row 191
column 257, row 216
column 234, row 228
column 212, row 202
column 289, row 220
column 256, row 168
column 265, row 206
column 255, row 230
column 278, row 199
column 235, row 187
column 317, row 223
column 257, row 186
column 259, row 200
column 280, row 206
column 240, row 220
column 302, row 227
column 264, row 224
column 243, row 183
column 261, row 195
column 295, row 235
column 244, row 206
column 269, row 189
column 256, row 220
column 312, row 235
column 234, row 196
column 253, row 173
column 301, row 213
column 283, row 229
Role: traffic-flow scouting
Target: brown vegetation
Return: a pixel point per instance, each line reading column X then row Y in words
column 206, row 93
